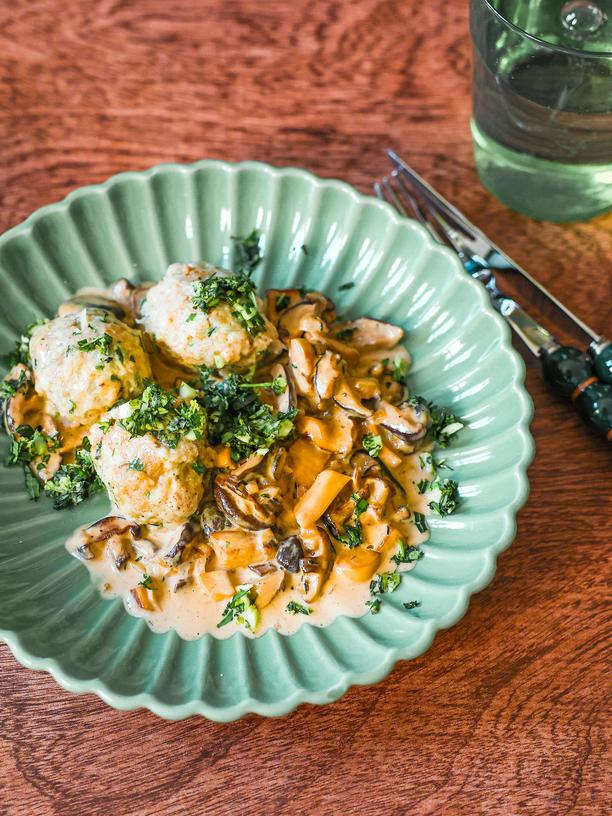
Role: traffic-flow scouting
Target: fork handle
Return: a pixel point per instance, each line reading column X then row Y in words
column 570, row 372
column 600, row 350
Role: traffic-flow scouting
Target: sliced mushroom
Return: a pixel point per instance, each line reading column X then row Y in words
column 311, row 505
column 241, row 507
column 287, row 399
column 379, row 492
column 262, row 569
column 239, row 548
column 90, row 300
column 13, row 410
column 306, row 461
column 119, row 549
column 327, row 370
column 408, row 421
column 268, row 587
column 363, row 464
column 290, row 553
column 366, row 387
column 347, row 398
column 175, row 553
column 300, row 319
column 216, row 584
column 316, row 564
column 143, row 598
column 110, row 526
column 84, row 552
column 365, row 468
column 340, row 511
column 181, row 583
column 335, row 433
column 375, row 535
column 129, row 296
column 302, row 362
column 276, row 460
column 369, row 333
column 358, row 564
column 328, row 307
column 350, row 354
column 248, row 466
column 279, row 300
column 212, row 519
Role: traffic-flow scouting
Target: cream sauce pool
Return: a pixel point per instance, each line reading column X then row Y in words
column 191, row 612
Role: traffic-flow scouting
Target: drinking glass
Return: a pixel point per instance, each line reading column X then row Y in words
column 542, row 105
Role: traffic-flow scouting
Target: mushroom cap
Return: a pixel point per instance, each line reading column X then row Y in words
column 191, row 337
column 80, row 384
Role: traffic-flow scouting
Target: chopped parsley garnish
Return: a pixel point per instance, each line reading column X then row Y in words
column 381, row 583
column 374, row 605
column 278, row 385
column 102, row 344
column 191, row 317
column 136, row 464
column 444, row 424
column 282, row 301
column 352, row 535
column 411, row 604
column 247, row 253
column 211, row 331
column 199, row 468
column 385, row 582
column 296, row 608
column 238, row 418
column 238, row 291
column 21, row 349
column 423, row 486
column 420, row 522
column 8, row 388
column 28, row 444
column 344, row 286
column 242, row 609
column 166, row 416
column 406, row 554
column 449, row 498
column 400, row 368
column 372, row 444
column 147, row 582
column 74, row 481
column 32, row 484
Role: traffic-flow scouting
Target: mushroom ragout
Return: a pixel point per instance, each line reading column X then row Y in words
column 265, row 460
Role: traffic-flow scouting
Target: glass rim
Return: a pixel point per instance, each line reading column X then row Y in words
column 551, row 46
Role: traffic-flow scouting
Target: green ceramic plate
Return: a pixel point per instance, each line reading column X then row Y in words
column 134, row 225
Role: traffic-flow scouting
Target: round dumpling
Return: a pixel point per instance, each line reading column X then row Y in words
column 147, row 481
column 84, row 362
column 224, row 327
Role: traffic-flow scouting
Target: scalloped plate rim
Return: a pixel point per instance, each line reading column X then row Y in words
column 279, row 708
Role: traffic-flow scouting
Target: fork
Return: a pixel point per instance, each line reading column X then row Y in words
column 586, row 381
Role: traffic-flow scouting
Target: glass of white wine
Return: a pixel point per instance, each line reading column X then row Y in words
column 542, row 105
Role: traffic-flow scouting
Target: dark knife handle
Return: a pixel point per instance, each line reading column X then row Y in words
column 570, row 372
column 600, row 352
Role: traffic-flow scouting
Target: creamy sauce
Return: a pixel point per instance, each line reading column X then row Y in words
column 191, row 612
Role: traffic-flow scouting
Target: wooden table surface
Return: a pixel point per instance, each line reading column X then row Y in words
column 505, row 714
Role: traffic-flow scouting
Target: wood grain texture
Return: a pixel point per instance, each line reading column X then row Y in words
column 506, row 713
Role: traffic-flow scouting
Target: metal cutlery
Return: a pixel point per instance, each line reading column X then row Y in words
column 586, row 380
